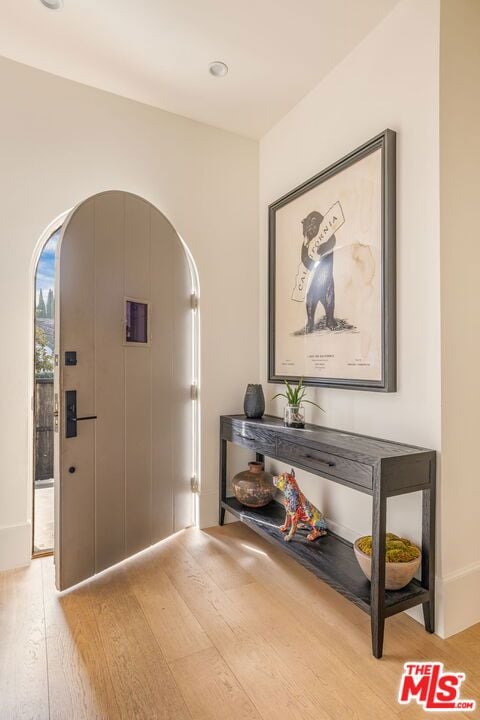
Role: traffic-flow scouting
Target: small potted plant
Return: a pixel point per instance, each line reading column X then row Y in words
column 294, row 413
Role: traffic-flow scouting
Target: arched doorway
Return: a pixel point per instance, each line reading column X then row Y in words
column 126, row 384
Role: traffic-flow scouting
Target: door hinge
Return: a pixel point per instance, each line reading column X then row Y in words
column 194, row 301
column 56, row 359
column 195, row 485
column 194, row 391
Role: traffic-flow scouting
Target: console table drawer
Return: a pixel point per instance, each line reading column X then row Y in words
column 322, row 462
column 259, row 440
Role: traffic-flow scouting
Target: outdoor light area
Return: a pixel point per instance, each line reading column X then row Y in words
column 43, row 493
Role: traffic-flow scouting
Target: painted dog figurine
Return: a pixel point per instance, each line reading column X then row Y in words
column 298, row 508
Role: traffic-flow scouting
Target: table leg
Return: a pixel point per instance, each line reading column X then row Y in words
column 428, row 550
column 222, row 480
column 379, row 519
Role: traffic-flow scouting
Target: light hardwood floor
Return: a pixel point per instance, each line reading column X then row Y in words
column 206, row 625
column 44, row 512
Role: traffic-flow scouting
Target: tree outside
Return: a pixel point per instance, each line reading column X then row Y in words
column 43, row 357
column 41, row 309
column 50, row 305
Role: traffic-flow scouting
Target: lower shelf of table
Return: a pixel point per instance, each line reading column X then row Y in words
column 330, row 558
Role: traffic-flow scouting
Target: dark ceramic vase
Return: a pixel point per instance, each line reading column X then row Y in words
column 254, row 402
column 253, row 487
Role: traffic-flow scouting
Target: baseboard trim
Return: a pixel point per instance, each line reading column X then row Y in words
column 15, row 546
column 208, row 510
column 459, row 592
column 342, row 531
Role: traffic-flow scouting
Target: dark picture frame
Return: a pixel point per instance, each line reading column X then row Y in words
column 387, row 382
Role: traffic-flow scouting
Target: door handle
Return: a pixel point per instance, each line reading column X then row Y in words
column 71, row 418
column 319, row 460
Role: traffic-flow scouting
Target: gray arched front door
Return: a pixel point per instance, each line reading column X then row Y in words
column 123, row 460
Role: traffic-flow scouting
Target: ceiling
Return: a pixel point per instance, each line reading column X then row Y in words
column 158, row 51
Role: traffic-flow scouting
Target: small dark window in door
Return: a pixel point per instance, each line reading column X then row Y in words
column 136, row 322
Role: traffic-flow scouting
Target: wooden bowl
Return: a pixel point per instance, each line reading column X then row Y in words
column 397, row 575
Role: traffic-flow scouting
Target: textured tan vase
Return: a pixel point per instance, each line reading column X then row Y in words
column 397, row 575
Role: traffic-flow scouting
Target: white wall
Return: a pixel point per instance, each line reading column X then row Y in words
column 460, row 264
column 61, row 142
column 389, row 80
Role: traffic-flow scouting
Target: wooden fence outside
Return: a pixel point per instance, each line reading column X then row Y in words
column 43, row 428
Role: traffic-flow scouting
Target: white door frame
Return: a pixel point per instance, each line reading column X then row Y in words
column 40, row 244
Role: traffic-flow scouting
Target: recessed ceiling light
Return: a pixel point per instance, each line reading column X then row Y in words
column 218, row 69
column 52, row 4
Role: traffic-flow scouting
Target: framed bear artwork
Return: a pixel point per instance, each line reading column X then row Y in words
column 332, row 285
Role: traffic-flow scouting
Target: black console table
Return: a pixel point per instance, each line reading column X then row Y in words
column 377, row 467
